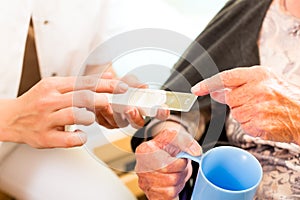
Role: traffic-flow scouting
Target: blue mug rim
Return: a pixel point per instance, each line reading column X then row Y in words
column 199, row 160
column 237, row 149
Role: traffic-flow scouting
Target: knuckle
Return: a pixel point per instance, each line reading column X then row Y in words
column 35, row 144
column 89, row 82
column 171, row 193
column 69, row 115
column 111, row 85
column 42, row 142
column 264, row 72
column 71, row 141
column 224, row 77
column 142, row 148
column 174, row 179
column 107, row 109
column 47, row 83
column 46, row 102
column 87, row 97
column 166, row 137
column 226, row 74
column 42, row 103
column 106, row 84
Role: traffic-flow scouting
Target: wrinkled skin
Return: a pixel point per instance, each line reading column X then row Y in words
column 161, row 175
column 265, row 105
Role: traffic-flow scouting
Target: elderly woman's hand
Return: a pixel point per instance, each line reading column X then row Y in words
column 161, row 175
column 265, row 105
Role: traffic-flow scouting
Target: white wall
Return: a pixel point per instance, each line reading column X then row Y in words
column 187, row 17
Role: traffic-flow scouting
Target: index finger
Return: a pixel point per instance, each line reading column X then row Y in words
column 226, row 79
column 93, row 83
column 181, row 140
column 151, row 157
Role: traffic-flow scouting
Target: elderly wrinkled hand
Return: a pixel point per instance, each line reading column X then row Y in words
column 265, row 105
column 161, row 174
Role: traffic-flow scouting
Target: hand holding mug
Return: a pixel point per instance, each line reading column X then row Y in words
column 161, row 174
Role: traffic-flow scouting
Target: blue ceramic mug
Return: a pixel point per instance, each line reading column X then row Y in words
column 226, row 173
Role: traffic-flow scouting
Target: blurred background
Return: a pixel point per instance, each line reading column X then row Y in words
column 186, row 17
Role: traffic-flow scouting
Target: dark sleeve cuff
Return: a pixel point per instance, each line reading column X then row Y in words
column 139, row 137
column 145, row 133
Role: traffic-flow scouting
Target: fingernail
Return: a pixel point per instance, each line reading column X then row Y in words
column 144, row 86
column 123, row 87
column 195, row 149
column 131, row 112
column 82, row 136
column 195, row 88
column 167, row 113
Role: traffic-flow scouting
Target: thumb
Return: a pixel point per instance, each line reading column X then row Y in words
column 174, row 141
column 150, row 157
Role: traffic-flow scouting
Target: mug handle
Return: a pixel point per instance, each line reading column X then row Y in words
column 183, row 154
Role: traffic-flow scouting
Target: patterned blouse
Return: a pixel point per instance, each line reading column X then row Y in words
column 279, row 47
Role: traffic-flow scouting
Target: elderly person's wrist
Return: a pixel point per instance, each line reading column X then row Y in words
column 172, row 123
column 169, row 125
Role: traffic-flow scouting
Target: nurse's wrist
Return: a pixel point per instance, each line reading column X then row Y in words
column 8, row 110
